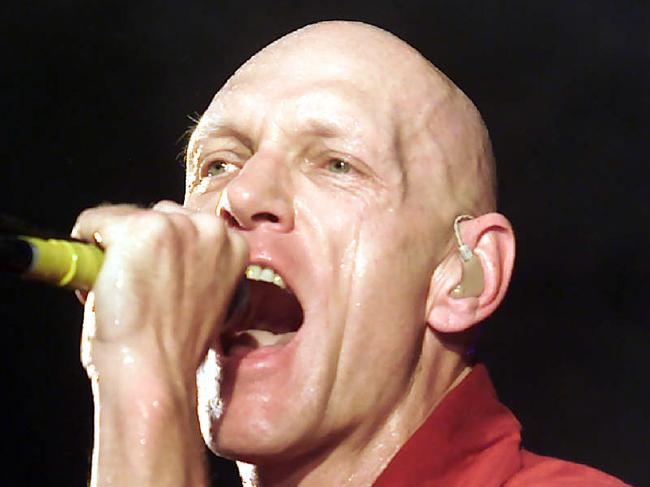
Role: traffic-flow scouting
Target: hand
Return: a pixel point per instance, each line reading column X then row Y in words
column 164, row 288
column 159, row 301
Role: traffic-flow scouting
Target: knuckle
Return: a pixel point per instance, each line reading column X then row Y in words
column 75, row 232
column 169, row 203
column 211, row 228
column 82, row 221
column 84, row 215
column 186, row 227
column 161, row 204
column 169, row 206
column 155, row 227
column 164, row 229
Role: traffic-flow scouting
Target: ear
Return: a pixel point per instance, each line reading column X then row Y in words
column 491, row 238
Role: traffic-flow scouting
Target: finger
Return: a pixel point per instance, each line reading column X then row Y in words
column 239, row 244
column 214, row 233
column 168, row 206
column 211, row 230
column 98, row 224
column 87, row 334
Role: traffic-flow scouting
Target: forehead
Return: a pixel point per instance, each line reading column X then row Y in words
column 334, row 108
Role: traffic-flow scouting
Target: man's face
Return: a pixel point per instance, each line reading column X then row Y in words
column 308, row 156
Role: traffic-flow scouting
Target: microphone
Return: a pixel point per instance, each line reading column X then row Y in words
column 73, row 264
column 65, row 263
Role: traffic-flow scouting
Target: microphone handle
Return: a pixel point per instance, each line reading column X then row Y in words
column 72, row 264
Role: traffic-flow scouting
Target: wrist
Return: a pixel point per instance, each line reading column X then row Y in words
column 146, row 426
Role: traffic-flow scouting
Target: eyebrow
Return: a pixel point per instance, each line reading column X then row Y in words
column 223, row 130
column 211, row 130
column 312, row 125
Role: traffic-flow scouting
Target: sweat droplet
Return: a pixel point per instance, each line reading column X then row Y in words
column 119, row 280
column 202, row 187
column 127, row 358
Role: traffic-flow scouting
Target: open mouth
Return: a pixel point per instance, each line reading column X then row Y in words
column 270, row 316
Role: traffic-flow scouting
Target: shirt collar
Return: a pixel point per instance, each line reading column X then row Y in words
column 470, row 438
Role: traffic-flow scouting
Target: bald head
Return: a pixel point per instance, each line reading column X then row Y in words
column 439, row 136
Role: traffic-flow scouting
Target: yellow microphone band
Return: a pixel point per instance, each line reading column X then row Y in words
column 69, row 264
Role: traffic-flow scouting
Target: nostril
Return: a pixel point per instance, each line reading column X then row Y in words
column 265, row 216
column 230, row 220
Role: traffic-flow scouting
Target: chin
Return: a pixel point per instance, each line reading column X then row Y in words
column 260, row 432
column 250, row 425
column 245, row 443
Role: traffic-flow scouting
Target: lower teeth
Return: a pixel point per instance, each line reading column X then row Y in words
column 265, row 338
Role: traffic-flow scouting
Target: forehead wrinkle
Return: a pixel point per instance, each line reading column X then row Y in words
column 464, row 143
column 428, row 163
column 326, row 124
column 422, row 162
column 417, row 114
column 339, row 109
column 323, row 114
column 333, row 109
column 399, row 154
column 226, row 110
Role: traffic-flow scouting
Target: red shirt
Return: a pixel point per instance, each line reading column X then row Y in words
column 472, row 440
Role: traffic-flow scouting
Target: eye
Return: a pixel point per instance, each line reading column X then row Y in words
column 338, row 166
column 219, row 168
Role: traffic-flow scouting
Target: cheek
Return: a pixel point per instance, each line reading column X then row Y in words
column 383, row 327
column 332, row 223
column 385, row 309
column 352, row 236
column 391, row 271
column 203, row 197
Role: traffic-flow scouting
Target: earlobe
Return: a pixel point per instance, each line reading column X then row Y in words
column 471, row 281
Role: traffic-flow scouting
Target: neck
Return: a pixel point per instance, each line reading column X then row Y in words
column 359, row 459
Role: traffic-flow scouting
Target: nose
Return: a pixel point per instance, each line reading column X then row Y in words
column 259, row 196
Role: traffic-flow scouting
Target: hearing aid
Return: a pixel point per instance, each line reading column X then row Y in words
column 471, row 283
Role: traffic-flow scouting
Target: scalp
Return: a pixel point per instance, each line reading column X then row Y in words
column 439, row 136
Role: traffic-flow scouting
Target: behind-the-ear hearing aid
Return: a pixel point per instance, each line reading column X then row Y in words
column 471, row 283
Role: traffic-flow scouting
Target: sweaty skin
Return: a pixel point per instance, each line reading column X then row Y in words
column 358, row 379
column 340, row 157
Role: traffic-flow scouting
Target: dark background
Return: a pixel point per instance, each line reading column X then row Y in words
column 95, row 98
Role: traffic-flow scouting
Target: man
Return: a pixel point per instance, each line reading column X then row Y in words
column 331, row 169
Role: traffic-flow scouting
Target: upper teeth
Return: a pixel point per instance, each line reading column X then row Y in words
column 259, row 273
